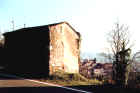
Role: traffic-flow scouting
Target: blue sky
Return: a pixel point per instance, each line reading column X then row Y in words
column 92, row 18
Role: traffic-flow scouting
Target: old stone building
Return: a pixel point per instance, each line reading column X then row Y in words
column 42, row 50
column 64, row 48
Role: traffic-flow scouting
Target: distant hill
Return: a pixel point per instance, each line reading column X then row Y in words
column 90, row 55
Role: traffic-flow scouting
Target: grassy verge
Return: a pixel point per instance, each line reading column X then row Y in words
column 67, row 79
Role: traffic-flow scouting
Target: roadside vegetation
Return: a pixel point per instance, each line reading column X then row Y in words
column 70, row 79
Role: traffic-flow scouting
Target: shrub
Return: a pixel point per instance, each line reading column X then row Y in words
column 70, row 79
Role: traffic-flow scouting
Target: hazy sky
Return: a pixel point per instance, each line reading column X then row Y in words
column 92, row 18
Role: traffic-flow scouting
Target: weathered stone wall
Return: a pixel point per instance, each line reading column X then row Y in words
column 26, row 51
column 64, row 48
column 56, row 48
column 71, row 50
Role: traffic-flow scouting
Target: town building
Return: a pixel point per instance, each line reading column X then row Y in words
column 91, row 69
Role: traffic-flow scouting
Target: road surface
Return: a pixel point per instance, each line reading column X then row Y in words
column 18, row 85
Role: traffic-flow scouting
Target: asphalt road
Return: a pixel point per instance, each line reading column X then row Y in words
column 10, row 84
column 16, row 85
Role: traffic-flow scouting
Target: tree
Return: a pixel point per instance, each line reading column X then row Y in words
column 119, row 40
column 134, row 77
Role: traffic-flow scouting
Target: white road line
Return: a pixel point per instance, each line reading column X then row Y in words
column 13, row 76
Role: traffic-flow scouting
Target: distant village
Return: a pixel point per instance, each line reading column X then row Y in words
column 90, row 68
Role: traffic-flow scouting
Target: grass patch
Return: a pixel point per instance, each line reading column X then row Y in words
column 70, row 79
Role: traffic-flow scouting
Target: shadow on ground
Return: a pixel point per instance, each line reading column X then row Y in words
column 48, row 89
column 35, row 90
column 107, row 89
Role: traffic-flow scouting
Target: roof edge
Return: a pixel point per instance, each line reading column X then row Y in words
column 64, row 22
column 71, row 28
